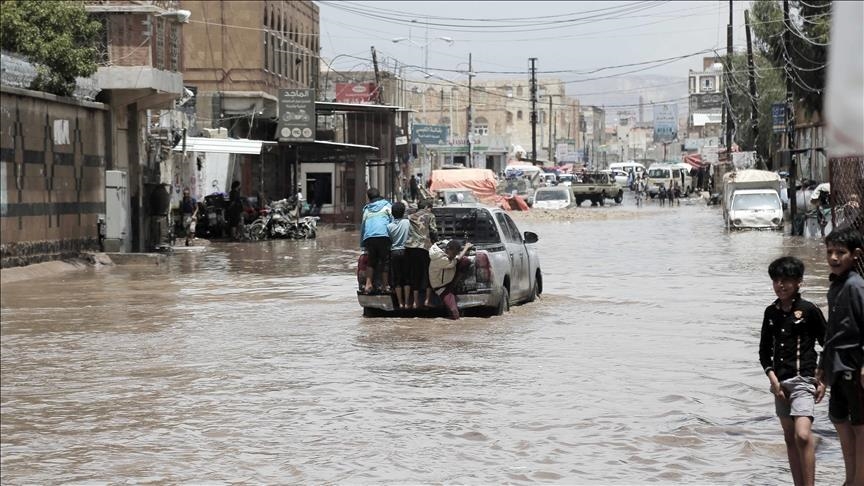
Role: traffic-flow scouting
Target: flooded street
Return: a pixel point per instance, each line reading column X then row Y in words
column 251, row 363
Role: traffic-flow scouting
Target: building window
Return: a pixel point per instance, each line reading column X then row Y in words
column 519, row 93
column 481, row 126
column 509, row 117
column 708, row 83
column 519, row 113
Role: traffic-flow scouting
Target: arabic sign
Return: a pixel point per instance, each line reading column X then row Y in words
column 430, row 134
column 778, row 117
column 665, row 122
column 708, row 101
column 296, row 115
column 363, row 93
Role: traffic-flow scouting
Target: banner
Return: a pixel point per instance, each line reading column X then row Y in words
column 708, row 101
column 430, row 134
column 665, row 123
column 363, row 93
column 296, row 115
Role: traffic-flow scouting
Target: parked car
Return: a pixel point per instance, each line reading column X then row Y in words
column 504, row 270
column 619, row 175
column 566, row 179
column 553, row 198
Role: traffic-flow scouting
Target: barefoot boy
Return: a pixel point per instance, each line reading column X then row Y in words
column 790, row 329
column 844, row 348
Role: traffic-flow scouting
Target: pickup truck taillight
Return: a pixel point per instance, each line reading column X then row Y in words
column 482, row 267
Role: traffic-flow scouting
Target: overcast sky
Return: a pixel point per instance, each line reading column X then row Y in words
column 584, row 38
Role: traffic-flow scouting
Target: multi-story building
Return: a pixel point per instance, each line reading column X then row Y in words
column 139, row 74
column 237, row 56
column 501, row 121
column 705, row 99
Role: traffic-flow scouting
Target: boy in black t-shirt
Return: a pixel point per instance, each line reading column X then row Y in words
column 790, row 329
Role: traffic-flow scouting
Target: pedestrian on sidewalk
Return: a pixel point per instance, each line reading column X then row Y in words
column 791, row 327
column 843, row 353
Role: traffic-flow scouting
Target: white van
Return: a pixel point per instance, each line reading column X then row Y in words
column 668, row 176
column 636, row 167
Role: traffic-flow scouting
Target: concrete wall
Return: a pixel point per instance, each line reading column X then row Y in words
column 53, row 153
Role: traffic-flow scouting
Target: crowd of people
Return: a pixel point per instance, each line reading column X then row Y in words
column 403, row 250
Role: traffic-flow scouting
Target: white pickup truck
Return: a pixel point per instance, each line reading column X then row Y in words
column 505, row 268
column 751, row 199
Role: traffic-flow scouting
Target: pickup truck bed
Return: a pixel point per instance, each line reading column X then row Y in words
column 504, row 265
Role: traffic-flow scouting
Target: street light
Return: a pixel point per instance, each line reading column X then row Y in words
column 424, row 47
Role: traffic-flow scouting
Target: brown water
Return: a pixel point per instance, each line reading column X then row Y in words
column 251, row 363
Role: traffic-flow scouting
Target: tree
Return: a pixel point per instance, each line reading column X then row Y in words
column 769, row 90
column 57, row 36
column 807, row 53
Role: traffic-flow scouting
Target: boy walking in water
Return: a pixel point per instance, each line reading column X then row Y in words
column 844, row 348
column 790, row 329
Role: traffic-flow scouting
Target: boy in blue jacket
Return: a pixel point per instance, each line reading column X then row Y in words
column 375, row 239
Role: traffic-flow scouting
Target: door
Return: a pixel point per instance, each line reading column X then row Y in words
column 519, row 278
column 117, row 216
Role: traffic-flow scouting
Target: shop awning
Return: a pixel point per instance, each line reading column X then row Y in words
column 323, row 143
column 222, row 145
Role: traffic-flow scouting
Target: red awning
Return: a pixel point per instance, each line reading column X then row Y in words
column 695, row 160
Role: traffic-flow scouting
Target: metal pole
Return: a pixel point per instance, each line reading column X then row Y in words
column 470, row 125
column 790, row 121
column 754, row 108
column 730, row 123
column 533, row 109
column 549, row 154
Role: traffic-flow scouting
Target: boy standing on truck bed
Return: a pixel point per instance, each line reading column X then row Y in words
column 790, row 329
column 375, row 239
column 398, row 231
column 843, row 354
column 444, row 264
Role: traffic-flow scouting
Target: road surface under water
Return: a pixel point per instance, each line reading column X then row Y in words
column 251, row 363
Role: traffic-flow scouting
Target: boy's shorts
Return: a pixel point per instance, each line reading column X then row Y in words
column 847, row 399
column 800, row 397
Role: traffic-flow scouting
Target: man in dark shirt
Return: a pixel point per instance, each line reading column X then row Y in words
column 189, row 209
column 841, row 363
column 791, row 328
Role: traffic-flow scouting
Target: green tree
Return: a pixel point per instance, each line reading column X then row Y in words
column 57, row 36
column 804, row 59
column 769, row 90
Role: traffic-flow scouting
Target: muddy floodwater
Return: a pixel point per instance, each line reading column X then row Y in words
column 251, row 363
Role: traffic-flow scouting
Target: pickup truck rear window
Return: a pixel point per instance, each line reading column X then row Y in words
column 470, row 224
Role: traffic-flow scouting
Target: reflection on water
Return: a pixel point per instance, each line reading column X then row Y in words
column 251, row 363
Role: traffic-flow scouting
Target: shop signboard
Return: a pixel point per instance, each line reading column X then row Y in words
column 362, row 93
column 665, row 122
column 430, row 134
column 778, row 117
column 708, row 101
column 296, row 115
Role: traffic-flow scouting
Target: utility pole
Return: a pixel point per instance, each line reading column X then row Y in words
column 470, row 124
column 790, row 120
column 533, row 109
column 379, row 97
column 551, row 116
column 730, row 123
column 751, row 74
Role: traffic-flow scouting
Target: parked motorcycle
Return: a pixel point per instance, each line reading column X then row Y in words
column 280, row 221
